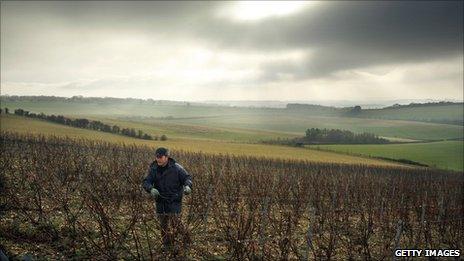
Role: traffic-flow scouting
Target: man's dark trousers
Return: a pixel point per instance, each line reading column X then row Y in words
column 171, row 224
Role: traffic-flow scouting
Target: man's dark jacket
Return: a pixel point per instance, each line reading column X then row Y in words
column 170, row 185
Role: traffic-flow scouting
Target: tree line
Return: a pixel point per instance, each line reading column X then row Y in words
column 412, row 105
column 87, row 124
column 315, row 135
column 331, row 136
column 82, row 99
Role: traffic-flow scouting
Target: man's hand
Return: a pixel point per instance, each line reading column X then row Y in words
column 154, row 193
column 187, row 190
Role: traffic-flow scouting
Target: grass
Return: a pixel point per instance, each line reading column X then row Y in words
column 442, row 113
column 26, row 125
column 123, row 108
column 297, row 124
column 224, row 122
column 231, row 130
column 192, row 131
column 443, row 155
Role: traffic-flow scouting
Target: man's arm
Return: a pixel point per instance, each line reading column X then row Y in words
column 148, row 181
column 185, row 177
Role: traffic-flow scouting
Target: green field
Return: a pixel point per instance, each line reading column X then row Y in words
column 443, row 155
column 126, row 109
column 192, row 131
column 443, row 113
column 248, row 120
column 220, row 129
column 27, row 125
column 291, row 124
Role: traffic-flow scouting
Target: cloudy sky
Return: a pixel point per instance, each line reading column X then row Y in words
column 233, row 50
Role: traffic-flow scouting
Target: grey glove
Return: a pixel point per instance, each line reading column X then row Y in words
column 187, row 190
column 154, row 193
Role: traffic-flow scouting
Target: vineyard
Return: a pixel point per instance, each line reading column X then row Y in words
column 66, row 198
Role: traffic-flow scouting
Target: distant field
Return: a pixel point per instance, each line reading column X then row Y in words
column 189, row 131
column 445, row 113
column 27, row 125
column 286, row 122
column 126, row 109
column 444, row 155
column 297, row 124
column 399, row 140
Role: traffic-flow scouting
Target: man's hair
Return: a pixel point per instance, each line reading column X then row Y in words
column 161, row 152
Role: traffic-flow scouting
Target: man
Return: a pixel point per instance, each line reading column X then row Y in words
column 167, row 181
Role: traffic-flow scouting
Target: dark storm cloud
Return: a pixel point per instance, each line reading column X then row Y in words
column 337, row 35
column 69, row 35
column 345, row 35
column 135, row 16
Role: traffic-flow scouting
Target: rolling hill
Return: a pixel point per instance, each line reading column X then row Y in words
column 443, row 155
column 287, row 122
column 20, row 124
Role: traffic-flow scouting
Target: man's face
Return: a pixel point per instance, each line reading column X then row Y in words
column 161, row 160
